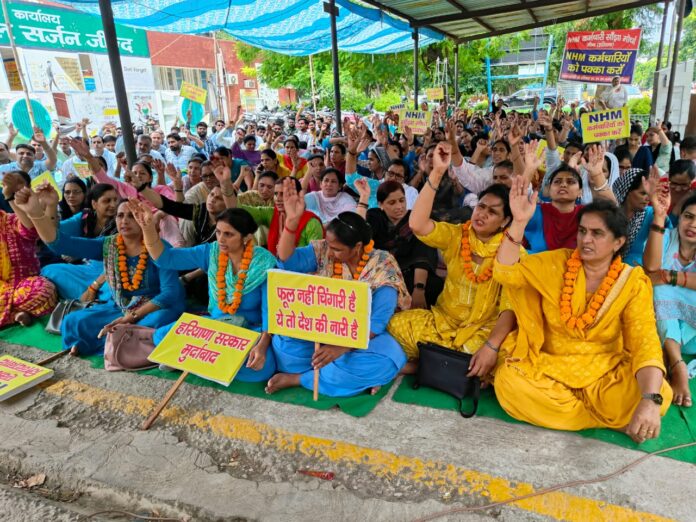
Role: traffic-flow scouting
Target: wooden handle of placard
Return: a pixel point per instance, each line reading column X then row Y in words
column 53, row 357
column 146, row 425
column 316, row 376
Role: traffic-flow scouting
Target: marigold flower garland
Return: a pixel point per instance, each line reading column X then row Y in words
column 467, row 259
column 338, row 267
column 587, row 318
column 130, row 286
column 223, row 260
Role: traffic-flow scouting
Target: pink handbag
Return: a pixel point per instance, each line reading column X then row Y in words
column 128, row 347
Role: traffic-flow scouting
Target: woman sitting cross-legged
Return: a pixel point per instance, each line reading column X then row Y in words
column 236, row 274
column 586, row 354
column 670, row 258
column 346, row 253
column 140, row 292
column 469, row 315
column 24, row 294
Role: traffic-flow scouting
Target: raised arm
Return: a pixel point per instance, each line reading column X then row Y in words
column 514, row 137
column 363, row 188
column 457, row 158
column 599, row 183
column 31, row 214
column 661, row 200
column 352, row 151
column 50, row 152
column 419, row 220
column 145, row 219
column 523, row 207
column 294, row 205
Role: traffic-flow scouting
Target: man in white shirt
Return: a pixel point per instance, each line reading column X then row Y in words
column 616, row 97
column 144, row 146
column 178, row 154
column 98, row 149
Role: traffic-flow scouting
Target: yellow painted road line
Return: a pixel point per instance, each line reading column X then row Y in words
column 439, row 476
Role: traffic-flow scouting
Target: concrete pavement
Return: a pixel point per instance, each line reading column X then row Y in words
column 219, row 456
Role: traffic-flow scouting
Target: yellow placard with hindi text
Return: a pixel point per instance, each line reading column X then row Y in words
column 418, row 121
column 205, row 347
column 610, row 124
column 47, row 177
column 192, row 92
column 17, row 375
column 436, row 93
column 82, row 169
column 319, row 309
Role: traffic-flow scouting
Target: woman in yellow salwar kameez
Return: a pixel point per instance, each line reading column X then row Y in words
column 586, row 353
column 467, row 316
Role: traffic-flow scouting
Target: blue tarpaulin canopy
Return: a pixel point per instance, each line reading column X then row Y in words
column 293, row 27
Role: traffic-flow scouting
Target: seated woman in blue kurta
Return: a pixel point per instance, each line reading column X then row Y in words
column 236, row 278
column 141, row 292
column 73, row 280
column 633, row 191
column 344, row 372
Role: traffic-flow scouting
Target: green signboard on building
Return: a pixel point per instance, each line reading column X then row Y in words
column 47, row 27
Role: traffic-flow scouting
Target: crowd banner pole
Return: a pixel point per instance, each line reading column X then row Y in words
column 675, row 57
column 330, row 7
column 107, row 17
column 456, row 76
column 311, row 80
column 415, row 68
column 658, row 66
column 163, row 404
column 25, row 89
column 315, row 391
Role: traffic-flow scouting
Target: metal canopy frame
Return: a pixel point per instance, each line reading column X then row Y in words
column 541, row 12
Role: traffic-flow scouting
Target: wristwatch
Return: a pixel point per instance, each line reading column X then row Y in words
column 655, row 397
column 420, row 286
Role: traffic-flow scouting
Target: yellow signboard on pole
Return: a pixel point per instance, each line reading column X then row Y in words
column 210, row 349
column 17, row 375
column 610, row 124
column 418, row 121
column 436, row 93
column 192, row 92
column 319, row 309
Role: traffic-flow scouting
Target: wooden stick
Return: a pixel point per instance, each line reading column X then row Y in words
column 316, row 376
column 168, row 397
column 53, row 357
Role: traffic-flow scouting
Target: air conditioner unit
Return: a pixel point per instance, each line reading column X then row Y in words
column 232, row 79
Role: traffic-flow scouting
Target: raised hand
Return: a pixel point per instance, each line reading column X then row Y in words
column 39, row 135
column 514, row 136
column 11, row 129
column 80, row 147
column 408, row 132
column 532, row 161
column 442, row 157
column 223, row 174
column 48, row 197
column 363, row 188
column 660, row 196
column 595, row 162
column 172, row 172
column 293, row 202
column 521, row 204
column 574, row 161
column 27, row 201
column 142, row 214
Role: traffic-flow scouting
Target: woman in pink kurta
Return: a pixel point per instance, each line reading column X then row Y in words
column 22, row 290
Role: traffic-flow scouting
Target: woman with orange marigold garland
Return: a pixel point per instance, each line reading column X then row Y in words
column 141, row 293
column 469, row 315
column 346, row 253
column 587, row 353
column 236, row 278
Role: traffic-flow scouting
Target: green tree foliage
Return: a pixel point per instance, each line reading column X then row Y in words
column 644, row 73
column 639, row 105
column 687, row 44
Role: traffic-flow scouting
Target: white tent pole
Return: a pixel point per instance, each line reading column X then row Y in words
column 311, row 80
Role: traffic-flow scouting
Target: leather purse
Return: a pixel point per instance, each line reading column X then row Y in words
column 62, row 309
column 128, row 347
column 445, row 369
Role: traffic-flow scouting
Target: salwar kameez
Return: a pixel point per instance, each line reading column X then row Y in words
column 253, row 310
column 21, row 287
column 572, row 379
column 357, row 370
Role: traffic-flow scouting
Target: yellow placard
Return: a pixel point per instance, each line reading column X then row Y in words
column 110, row 111
column 47, row 176
column 610, row 124
column 82, row 169
column 319, row 309
column 17, row 375
column 436, row 93
column 192, row 92
column 419, row 121
column 210, row 349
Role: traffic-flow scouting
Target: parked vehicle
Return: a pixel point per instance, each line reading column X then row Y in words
column 525, row 97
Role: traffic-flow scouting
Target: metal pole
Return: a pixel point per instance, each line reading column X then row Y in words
column 6, row 14
column 489, row 83
column 107, row 17
column 675, row 8
column 311, row 80
column 675, row 58
column 546, row 70
column 218, row 89
column 415, row 68
column 456, row 76
column 658, row 66
column 330, row 7
column 446, row 80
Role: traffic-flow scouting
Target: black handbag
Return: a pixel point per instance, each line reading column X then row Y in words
column 62, row 309
column 445, row 370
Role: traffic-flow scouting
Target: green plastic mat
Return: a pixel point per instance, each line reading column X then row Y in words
column 357, row 406
column 678, row 425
